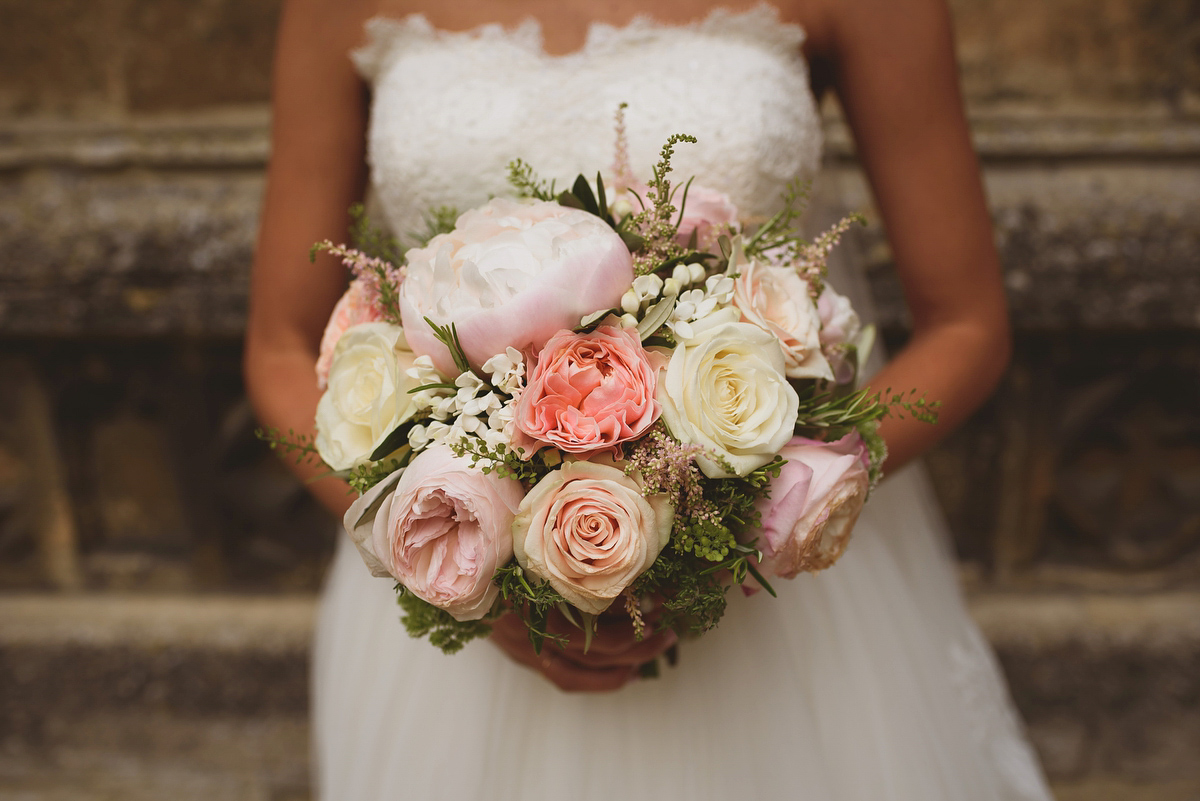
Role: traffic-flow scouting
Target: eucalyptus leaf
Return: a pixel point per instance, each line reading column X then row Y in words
column 569, row 200
column 593, row 318
column 656, row 315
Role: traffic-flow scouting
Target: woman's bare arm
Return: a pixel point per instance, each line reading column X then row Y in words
column 894, row 70
column 317, row 170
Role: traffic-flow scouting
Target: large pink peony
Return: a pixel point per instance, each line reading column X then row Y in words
column 356, row 306
column 589, row 392
column 814, row 503
column 589, row 530
column 441, row 527
column 511, row 274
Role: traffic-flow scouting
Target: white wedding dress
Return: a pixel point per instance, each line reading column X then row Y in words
column 867, row 681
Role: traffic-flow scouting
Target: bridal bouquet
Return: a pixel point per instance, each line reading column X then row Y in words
column 610, row 399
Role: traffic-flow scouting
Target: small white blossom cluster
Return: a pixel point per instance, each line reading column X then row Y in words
column 696, row 304
column 647, row 290
column 474, row 407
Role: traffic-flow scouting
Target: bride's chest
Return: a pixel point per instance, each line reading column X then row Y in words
column 451, row 110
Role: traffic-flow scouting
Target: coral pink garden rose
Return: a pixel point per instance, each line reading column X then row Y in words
column 355, row 307
column 776, row 299
column 814, row 503
column 440, row 527
column 589, row 392
column 588, row 530
column 511, row 274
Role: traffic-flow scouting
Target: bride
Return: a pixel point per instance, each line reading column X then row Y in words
column 866, row 681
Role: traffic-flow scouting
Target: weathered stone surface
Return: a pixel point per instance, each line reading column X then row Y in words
column 1079, row 51
column 1085, row 246
column 110, row 57
column 1110, row 685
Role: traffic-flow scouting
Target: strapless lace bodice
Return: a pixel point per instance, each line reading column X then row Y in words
column 451, row 109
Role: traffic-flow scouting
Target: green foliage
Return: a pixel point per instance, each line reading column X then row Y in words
column 375, row 242
column 503, row 460
column 779, row 231
column 423, row 619
column 368, row 474
column 876, row 448
column 439, row 220
column 534, row 599
column 448, row 336
column 827, row 416
column 692, row 601
column 705, row 539
column 524, row 180
column 654, row 224
column 300, row 446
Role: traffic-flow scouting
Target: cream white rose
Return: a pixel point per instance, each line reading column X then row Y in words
column 725, row 390
column 776, row 299
column 588, row 530
column 367, row 396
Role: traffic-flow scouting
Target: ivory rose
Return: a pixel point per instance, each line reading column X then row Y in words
column 589, row 392
column 511, row 274
column 724, row 389
column 587, row 529
column 356, row 306
column 441, row 527
column 776, row 299
column 367, row 396
column 814, row 503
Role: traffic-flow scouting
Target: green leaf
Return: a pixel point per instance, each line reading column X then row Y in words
column 567, row 199
column 393, row 441
column 583, row 191
column 601, row 199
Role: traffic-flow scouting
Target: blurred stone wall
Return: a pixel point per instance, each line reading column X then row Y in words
column 133, row 136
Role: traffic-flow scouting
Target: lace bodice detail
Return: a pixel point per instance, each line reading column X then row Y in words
column 450, row 110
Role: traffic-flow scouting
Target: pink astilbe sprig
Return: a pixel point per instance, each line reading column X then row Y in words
column 668, row 466
column 811, row 259
column 622, row 174
column 379, row 278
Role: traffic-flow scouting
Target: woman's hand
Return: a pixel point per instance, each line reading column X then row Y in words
column 612, row 660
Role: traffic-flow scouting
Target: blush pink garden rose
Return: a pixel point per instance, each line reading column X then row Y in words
column 776, row 299
column 840, row 327
column 707, row 212
column 589, row 392
column 589, row 531
column 511, row 274
column 441, row 527
column 814, row 503
column 356, row 306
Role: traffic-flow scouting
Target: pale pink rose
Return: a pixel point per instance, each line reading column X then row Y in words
column 776, row 299
column 511, row 274
column 356, row 306
column 589, row 392
column 814, row 503
column 707, row 212
column 589, row 531
column 840, row 327
column 441, row 527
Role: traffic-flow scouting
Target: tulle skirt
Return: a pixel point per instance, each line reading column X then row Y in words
column 865, row 682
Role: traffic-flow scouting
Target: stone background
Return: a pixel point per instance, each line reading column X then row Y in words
column 147, row 541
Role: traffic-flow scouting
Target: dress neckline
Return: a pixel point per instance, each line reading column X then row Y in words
column 760, row 23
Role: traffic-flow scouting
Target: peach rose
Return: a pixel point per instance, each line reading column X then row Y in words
column 356, row 306
column 776, row 299
column 511, row 274
column 590, row 392
column 814, row 503
column 441, row 527
column 588, row 530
